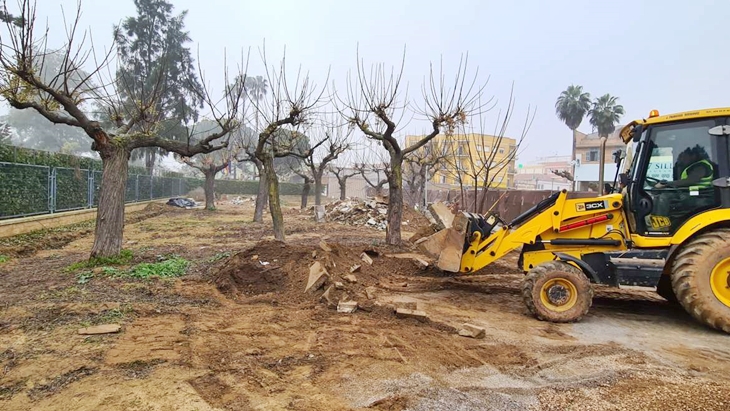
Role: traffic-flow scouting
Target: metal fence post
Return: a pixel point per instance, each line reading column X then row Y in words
column 90, row 184
column 136, row 187
column 151, row 187
column 52, row 189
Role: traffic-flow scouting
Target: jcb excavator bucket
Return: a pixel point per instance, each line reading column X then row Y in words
column 447, row 245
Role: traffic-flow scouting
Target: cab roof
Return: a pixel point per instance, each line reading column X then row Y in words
column 626, row 132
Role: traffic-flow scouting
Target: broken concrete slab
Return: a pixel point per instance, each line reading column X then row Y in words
column 433, row 244
column 325, row 247
column 328, row 298
column 370, row 292
column 100, row 329
column 350, row 278
column 366, row 258
column 472, row 331
column 415, row 314
column 317, row 277
column 339, row 285
column 355, row 268
column 420, row 263
column 347, row 307
column 442, row 214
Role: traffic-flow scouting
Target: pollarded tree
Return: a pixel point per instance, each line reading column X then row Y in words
column 342, row 174
column 377, row 104
column 605, row 113
column 420, row 167
column 335, row 144
column 153, row 54
column 133, row 126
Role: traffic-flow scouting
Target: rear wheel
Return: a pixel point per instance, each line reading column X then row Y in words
column 665, row 290
column 701, row 278
column 557, row 291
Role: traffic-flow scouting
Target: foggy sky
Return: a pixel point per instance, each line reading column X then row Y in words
column 666, row 55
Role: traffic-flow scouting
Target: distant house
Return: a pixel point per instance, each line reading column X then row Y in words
column 538, row 174
column 587, row 156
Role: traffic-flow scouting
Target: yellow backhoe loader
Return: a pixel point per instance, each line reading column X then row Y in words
column 665, row 225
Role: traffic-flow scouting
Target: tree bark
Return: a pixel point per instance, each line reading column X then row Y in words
column 601, row 164
column 318, row 188
column 209, row 189
column 305, row 193
column 274, row 206
column 343, row 189
column 395, row 201
column 109, row 230
column 262, row 196
column 575, row 136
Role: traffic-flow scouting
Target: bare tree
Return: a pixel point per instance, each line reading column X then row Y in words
column 317, row 161
column 376, row 103
column 283, row 110
column 307, row 181
column 62, row 98
column 343, row 174
column 420, row 167
column 381, row 171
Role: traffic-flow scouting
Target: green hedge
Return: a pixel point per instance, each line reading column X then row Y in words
column 22, row 155
column 236, row 187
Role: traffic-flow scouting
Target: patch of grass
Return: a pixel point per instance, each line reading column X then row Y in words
column 173, row 267
column 218, row 257
column 4, row 258
column 124, row 257
column 84, row 277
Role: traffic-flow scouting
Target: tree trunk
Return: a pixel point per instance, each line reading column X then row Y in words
column 305, row 193
column 274, row 206
column 318, row 189
column 395, row 201
column 209, row 189
column 150, row 158
column 110, row 212
column 343, row 189
column 575, row 136
column 262, row 196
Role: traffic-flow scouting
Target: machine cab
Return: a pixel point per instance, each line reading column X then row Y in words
column 676, row 170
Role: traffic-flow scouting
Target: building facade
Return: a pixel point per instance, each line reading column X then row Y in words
column 587, row 158
column 539, row 175
column 470, row 157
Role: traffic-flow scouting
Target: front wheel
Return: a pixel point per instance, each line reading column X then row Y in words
column 701, row 278
column 557, row 291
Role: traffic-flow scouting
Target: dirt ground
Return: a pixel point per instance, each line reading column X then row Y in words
column 238, row 332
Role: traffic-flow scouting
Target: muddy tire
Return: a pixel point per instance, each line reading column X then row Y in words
column 558, row 292
column 665, row 290
column 701, row 278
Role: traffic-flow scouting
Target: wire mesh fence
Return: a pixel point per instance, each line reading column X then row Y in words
column 27, row 190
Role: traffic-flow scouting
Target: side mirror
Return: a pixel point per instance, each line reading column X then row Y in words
column 636, row 136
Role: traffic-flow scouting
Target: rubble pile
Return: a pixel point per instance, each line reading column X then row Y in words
column 372, row 213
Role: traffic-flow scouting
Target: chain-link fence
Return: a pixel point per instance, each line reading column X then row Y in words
column 27, row 190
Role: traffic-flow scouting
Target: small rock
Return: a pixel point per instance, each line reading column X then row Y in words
column 317, row 277
column 347, row 307
column 370, row 292
column 339, row 285
column 355, row 268
column 327, row 297
column 366, row 306
column 408, row 305
column 366, row 258
column 420, row 263
column 314, row 254
column 254, row 258
column 406, row 313
column 101, row 329
column 325, row 247
column 472, row 331
column 350, row 278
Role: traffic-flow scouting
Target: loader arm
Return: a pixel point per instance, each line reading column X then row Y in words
column 571, row 227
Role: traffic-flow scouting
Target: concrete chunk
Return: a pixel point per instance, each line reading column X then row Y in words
column 355, row 268
column 370, row 292
column 339, row 285
column 350, row 278
column 317, row 277
column 450, row 256
column 408, row 305
column 327, row 297
column 441, row 213
column 101, row 329
column 325, row 247
column 366, row 258
column 319, row 213
column 472, row 331
column 433, row 244
column 406, row 313
column 347, row 307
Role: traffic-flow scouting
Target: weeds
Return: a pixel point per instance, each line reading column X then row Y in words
column 84, row 277
column 174, row 267
column 124, row 257
column 218, row 257
column 4, row 258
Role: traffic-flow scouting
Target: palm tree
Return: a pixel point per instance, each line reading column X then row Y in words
column 256, row 87
column 604, row 116
column 570, row 107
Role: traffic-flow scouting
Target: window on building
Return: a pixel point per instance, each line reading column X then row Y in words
column 501, row 151
column 592, row 155
column 442, row 179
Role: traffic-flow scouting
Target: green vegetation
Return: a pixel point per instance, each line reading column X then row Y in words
column 174, row 267
column 218, row 257
column 4, row 258
column 124, row 258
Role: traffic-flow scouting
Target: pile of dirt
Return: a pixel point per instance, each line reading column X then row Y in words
column 281, row 271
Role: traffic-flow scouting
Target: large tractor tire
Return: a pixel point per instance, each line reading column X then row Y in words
column 557, row 291
column 665, row 290
column 701, row 278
